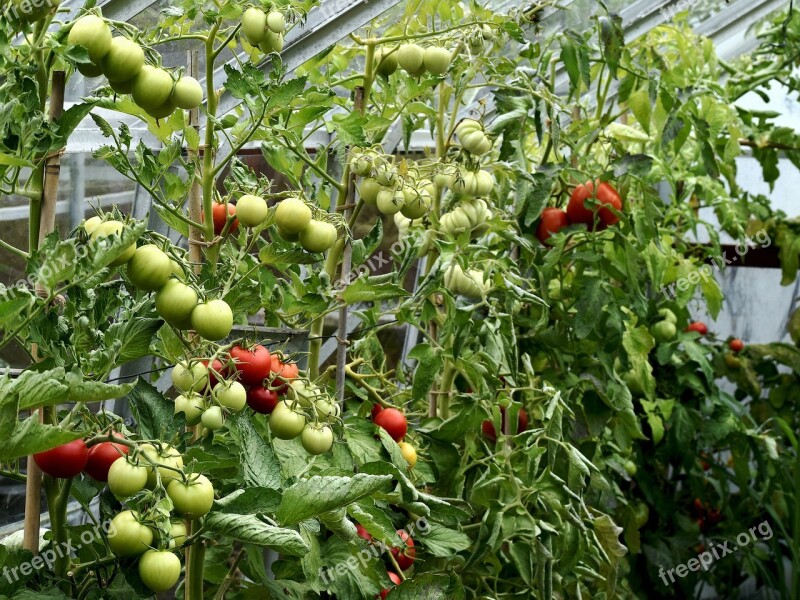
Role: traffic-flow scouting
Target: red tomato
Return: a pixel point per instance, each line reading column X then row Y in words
column 606, row 195
column 281, row 371
column 253, row 364
column 553, row 220
column 395, row 580
column 698, row 327
column 102, row 456
column 219, row 367
column 220, row 216
column 736, row 345
column 405, row 556
column 376, row 408
column 63, row 462
column 363, row 533
column 262, row 400
column 393, row 421
column 488, row 426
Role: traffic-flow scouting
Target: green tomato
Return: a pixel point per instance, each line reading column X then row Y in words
column 386, row 62
column 189, row 377
column 641, row 514
column 361, row 164
column 188, row 94
column 316, row 439
column 327, row 408
column 476, row 142
column 292, row 215
column 152, row 88
column 192, row 406
column 162, row 112
column 254, row 25
column 167, row 463
column 159, row 570
column 630, row 467
column 121, row 87
column 90, row 70
column 285, row 423
column 272, row 43
column 94, row 34
column 193, row 498
column 231, row 394
column 124, row 61
column 91, row 224
column 127, row 536
column 109, row 228
column 276, row 22
column 468, row 126
column 411, row 58
column 213, row 418
column 437, row 60
column 175, row 302
column 251, row 210
column 484, row 183
column 126, row 478
column 390, row 202
column 212, row 320
column 667, row 315
column 368, row 189
column 455, row 222
column 319, row 236
column 634, row 383
column 664, row 331
column 149, row 268
column 418, row 206
column 177, row 534
column 385, row 174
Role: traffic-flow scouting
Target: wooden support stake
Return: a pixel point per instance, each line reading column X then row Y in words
column 347, row 264
column 47, row 224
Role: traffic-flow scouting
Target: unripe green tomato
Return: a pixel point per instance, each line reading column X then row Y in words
column 289, row 237
column 484, row 183
column 92, row 33
column 391, row 201
column 213, row 419
column 664, row 331
column 149, row 268
column 634, row 383
column 276, row 21
column 315, row 439
column 251, row 210
column 124, row 61
column 327, row 408
column 272, row 43
column 121, row 87
column 254, row 25
column 292, row 215
column 212, row 320
column 641, row 514
column 476, row 142
column 368, row 189
column 319, row 236
column 90, row 70
column 411, row 58
column 152, row 88
column 386, row 61
column 193, row 498
column 192, row 406
column 630, row 467
column 126, row 478
column 91, row 224
column 361, row 164
column 159, row 570
column 455, row 223
column 231, row 394
column 437, row 60
column 418, row 206
column 385, row 174
column 285, row 423
column 189, row 377
column 162, row 112
column 109, row 228
column 188, row 94
column 127, row 536
column 167, row 461
column 465, row 184
column 175, row 302
column 177, row 534
column 667, row 315
column 468, row 126
column 732, row 361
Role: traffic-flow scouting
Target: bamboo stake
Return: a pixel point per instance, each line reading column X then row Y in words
column 347, row 263
column 47, row 224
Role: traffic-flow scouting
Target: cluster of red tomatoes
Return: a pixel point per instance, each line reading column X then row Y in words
column 395, row 424
column 607, row 203
column 404, row 557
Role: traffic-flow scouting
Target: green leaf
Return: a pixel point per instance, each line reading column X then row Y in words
column 251, row 530
column 429, row 365
column 370, row 290
column 429, row 586
column 95, row 391
column 14, row 161
column 639, row 103
column 153, row 412
column 261, row 467
column 30, row 436
column 318, row 495
column 444, row 542
column 249, row 501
